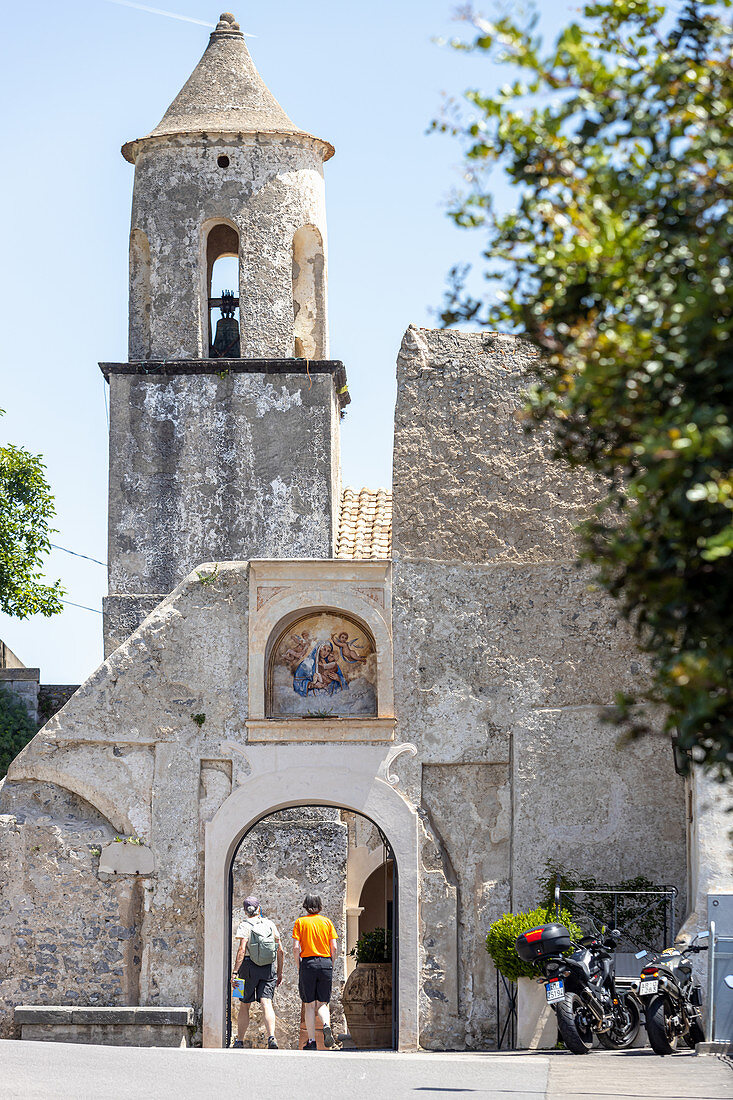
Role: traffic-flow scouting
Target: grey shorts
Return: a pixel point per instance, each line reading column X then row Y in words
column 259, row 981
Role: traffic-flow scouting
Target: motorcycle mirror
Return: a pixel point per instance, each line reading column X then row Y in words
column 640, row 954
column 702, row 935
column 729, row 981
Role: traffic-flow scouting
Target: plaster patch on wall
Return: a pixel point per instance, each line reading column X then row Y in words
column 269, row 400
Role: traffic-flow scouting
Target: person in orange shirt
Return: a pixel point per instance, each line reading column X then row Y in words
column 314, row 949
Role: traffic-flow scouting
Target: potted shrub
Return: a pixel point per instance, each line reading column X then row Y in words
column 536, row 1024
column 367, row 996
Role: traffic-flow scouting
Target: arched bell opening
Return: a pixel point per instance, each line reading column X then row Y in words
column 222, row 281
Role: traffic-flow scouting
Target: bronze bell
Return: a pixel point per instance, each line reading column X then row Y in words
column 226, row 341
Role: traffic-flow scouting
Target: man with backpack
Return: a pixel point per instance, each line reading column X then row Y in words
column 259, row 967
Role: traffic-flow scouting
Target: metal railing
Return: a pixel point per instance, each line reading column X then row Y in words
column 651, row 925
column 506, row 1024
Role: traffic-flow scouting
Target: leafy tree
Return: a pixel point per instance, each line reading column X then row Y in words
column 26, row 509
column 16, row 728
column 616, row 261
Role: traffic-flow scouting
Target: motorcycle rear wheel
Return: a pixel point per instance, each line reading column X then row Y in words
column 628, row 1019
column 695, row 1035
column 662, row 1041
column 573, row 1024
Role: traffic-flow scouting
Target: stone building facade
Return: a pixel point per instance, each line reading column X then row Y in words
column 453, row 698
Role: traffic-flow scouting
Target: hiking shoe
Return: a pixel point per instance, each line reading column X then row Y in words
column 328, row 1038
column 310, row 1045
column 237, row 1044
column 272, row 1043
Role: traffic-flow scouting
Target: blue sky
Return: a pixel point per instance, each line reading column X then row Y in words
column 79, row 78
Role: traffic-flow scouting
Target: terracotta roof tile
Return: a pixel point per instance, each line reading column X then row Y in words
column 365, row 524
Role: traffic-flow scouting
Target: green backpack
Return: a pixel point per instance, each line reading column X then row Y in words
column 262, row 945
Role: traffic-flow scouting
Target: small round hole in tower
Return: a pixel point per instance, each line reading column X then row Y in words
column 223, row 161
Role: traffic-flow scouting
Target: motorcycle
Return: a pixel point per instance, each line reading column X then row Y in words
column 671, row 997
column 580, row 984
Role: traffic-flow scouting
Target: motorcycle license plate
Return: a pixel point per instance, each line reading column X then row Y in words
column 650, row 986
column 555, row 991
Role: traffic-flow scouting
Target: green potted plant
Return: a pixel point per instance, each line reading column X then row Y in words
column 367, row 996
column 536, row 1026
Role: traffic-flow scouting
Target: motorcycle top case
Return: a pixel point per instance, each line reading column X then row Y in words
column 539, row 943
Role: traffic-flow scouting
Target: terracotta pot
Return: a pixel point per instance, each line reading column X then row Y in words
column 367, row 1004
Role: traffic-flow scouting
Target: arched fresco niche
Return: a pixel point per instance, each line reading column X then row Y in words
column 323, row 665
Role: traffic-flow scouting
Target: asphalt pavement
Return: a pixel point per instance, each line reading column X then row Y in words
column 66, row 1071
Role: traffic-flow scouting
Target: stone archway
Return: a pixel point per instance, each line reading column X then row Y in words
column 298, row 775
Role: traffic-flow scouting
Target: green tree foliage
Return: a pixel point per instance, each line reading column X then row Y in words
column 616, row 261
column 16, row 728
column 26, row 509
column 502, row 937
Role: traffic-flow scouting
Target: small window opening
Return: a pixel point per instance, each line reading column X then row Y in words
column 222, row 264
column 223, row 161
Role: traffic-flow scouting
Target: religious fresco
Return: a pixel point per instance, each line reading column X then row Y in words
column 324, row 666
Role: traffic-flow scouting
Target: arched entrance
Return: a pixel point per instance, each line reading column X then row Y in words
column 319, row 850
column 309, row 775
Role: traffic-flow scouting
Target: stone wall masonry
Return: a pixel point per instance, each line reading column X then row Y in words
column 127, row 744
column 66, row 935
column 122, row 615
column 469, row 805
column 469, row 483
column 506, row 655
column 23, row 683
column 217, row 468
column 585, row 798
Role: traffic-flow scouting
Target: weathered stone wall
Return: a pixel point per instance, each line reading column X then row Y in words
column 505, row 655
column 212, row 468
column 68, row 935
column 51, row 698
column 288, row 855
column 128, row 744
column 23, row 683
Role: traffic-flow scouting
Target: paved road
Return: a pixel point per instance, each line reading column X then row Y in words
column 64, row 1071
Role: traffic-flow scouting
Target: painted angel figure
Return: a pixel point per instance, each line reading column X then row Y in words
column 349, row 650
column 297, row 648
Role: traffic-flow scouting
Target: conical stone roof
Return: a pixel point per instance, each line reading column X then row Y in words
column 224, row 95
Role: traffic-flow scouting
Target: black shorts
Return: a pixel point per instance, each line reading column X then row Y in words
column 259, row 981
column 315, row 979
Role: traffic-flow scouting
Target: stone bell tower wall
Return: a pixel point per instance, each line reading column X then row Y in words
column 216, row 464
column 505, row 657
column 269, row 189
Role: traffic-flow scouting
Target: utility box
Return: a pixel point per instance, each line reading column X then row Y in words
column 720, row 910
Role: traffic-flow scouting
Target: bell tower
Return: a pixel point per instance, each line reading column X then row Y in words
column 224, row 422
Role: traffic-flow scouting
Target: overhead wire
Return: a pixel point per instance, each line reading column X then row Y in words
column 75, row 555
column 83, row 606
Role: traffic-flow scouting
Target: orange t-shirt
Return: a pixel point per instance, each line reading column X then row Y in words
column 314, row 934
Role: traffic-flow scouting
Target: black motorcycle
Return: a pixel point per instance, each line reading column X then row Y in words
column 671, row 997
column 580, row 984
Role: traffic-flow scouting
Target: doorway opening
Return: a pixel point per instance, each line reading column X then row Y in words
column 346, row 859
